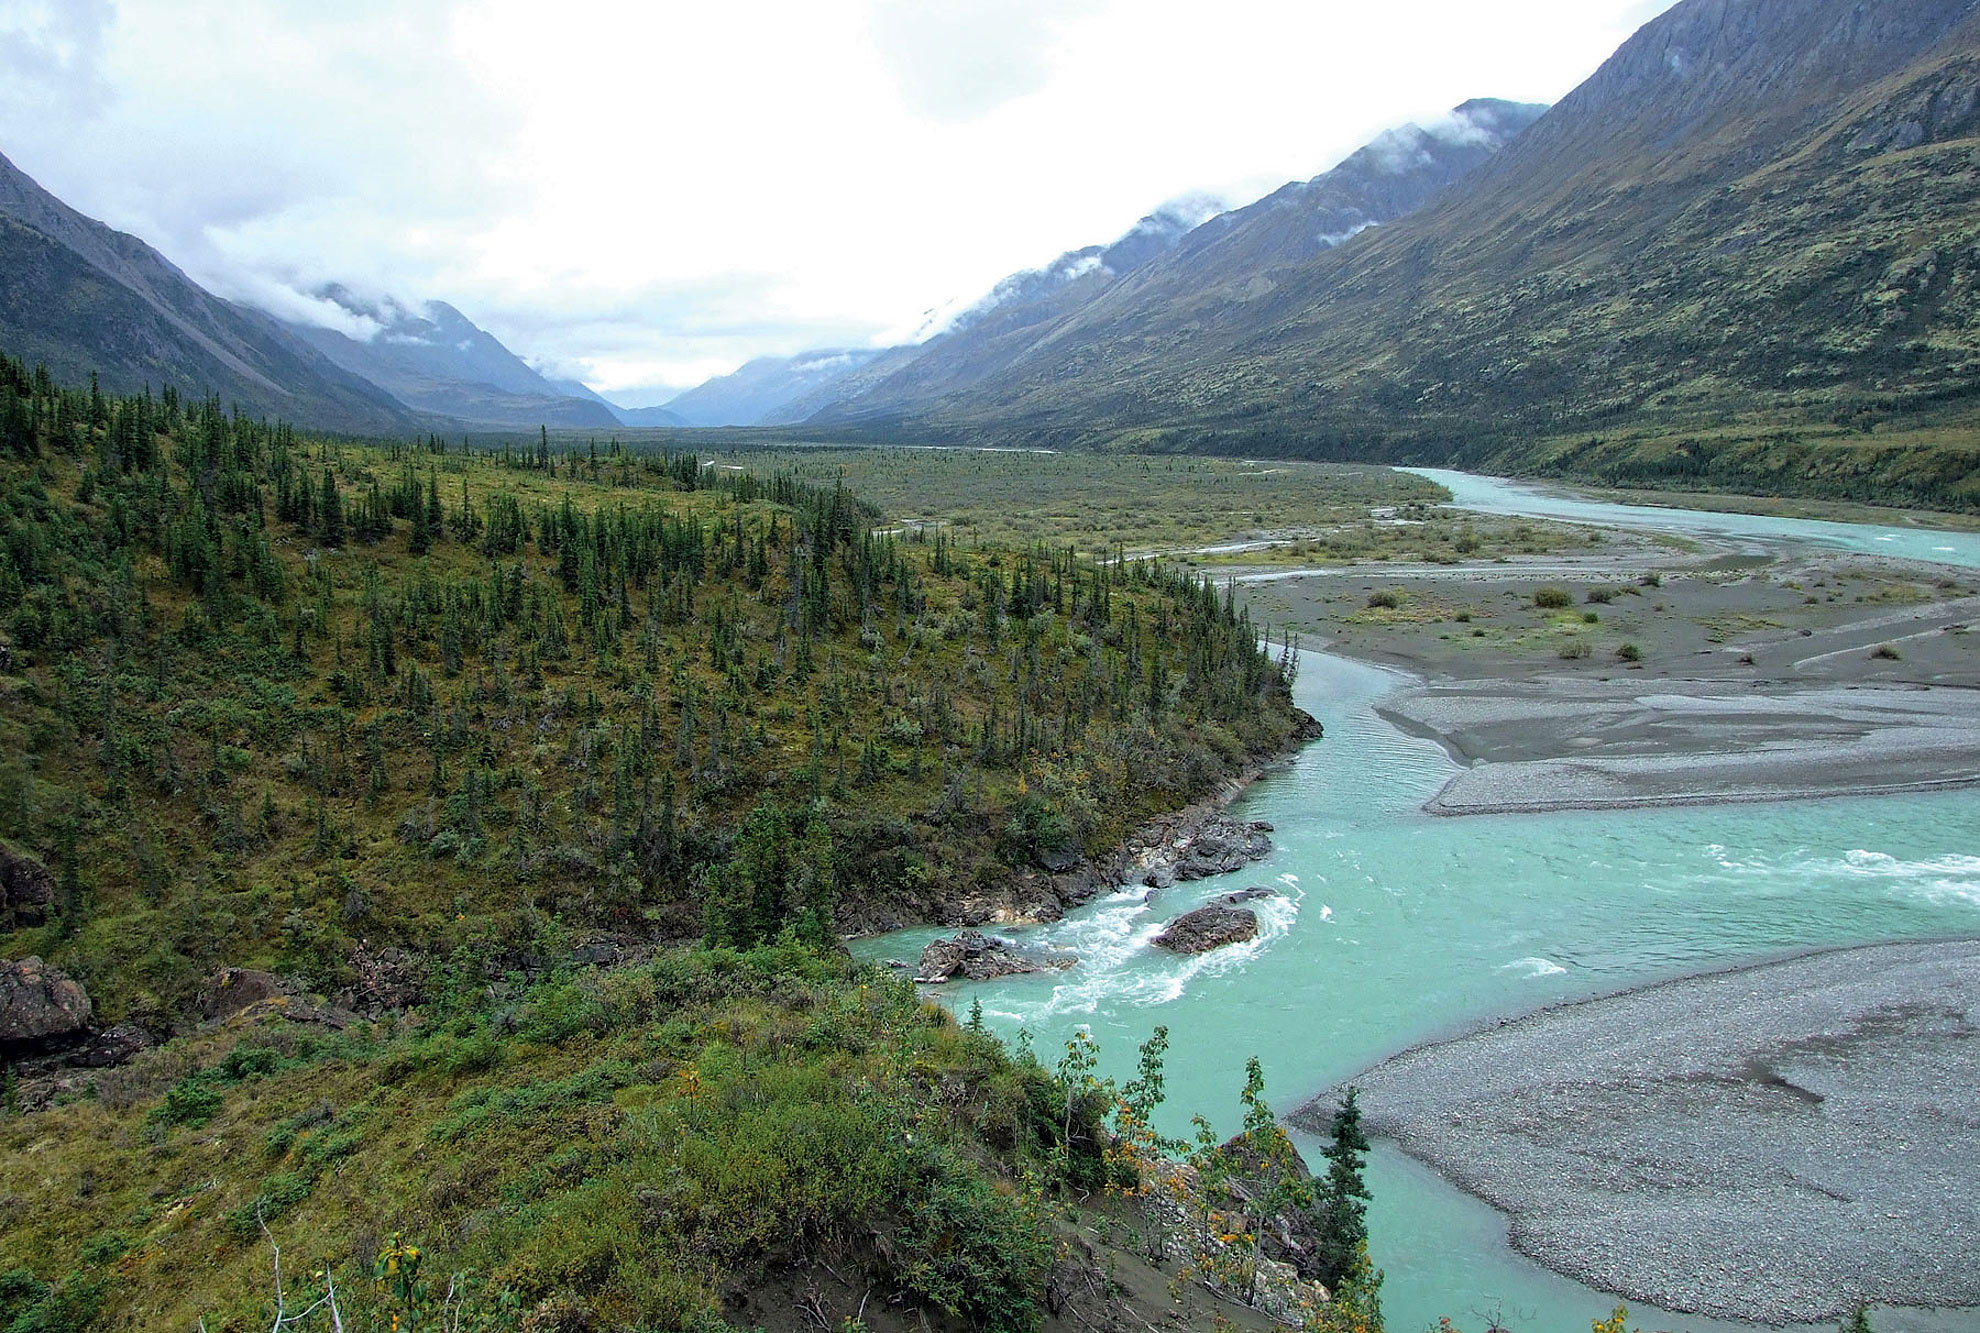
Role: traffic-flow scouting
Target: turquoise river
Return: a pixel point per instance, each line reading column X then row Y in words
column 1395, row 927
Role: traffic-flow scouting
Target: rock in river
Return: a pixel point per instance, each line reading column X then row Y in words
column 974, row 956
column 1223, row 845
column 1208, row 928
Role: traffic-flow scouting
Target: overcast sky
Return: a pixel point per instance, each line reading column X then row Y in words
column 644, row 194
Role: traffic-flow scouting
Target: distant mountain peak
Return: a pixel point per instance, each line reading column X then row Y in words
column 433, row 357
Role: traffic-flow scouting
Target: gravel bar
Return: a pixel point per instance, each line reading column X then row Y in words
column 1772, row 1144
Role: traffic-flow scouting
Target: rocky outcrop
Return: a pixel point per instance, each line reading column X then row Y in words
column 41, row 1008
column 233, row 989
column 388, row 981
column 1210, row 927
column 26, row 889
column 1203, row 1215
column 1222, row 846
column 974, row 956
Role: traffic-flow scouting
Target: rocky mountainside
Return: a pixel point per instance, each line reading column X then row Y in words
column 1755, row 206
column 432, row 357
column 81, row 298
column 1178, row 249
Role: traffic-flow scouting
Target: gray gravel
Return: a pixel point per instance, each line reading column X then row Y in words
column 1553, row 745
column 1770, row 1144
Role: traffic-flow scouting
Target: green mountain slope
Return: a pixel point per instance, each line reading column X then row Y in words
column 341, row 694
column 1756, row 210
column 1022, row 318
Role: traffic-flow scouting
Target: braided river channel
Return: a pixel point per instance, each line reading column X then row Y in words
column 1394, row 927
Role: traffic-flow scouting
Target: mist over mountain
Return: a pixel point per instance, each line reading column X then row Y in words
column 81, row 298
column 1753, row 206
column 434, row 358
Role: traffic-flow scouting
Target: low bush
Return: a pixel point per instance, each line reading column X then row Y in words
column 1552, row 599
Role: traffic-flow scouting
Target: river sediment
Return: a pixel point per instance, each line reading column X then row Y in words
column 1773, row 1143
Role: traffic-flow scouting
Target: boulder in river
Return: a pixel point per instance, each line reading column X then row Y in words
column 1209, row 927
column 974, row 956
column 1250, row 895
column 41, row 1008
column 1222, row 846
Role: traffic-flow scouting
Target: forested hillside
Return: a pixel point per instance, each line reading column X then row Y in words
column 334, row 773
column 276, row 702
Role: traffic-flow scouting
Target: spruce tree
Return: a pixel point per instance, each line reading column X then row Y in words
column 330, row 513
column 1341, row 1209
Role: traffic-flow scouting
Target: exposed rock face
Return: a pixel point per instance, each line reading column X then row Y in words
column 233, row 989
column 1222, row 846
column 41, row 1008
column 389, row 981
column 1279, row 1276
column 26, row 889
column 974, row 956
column 1209, row 927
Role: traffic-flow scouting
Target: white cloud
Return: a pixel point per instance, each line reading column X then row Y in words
column 955, row 60
column 649, row 192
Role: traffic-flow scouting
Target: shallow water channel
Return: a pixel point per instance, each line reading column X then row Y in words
column 1395, row 927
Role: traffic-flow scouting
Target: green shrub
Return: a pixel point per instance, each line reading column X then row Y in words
column 245, row 1062
column 1573, row 652
column 1886, row 652
column 192, row 1101
column 1552, row 599
column 1386, row 599
column 1629, row 652
column 975, row 1252
column 29, row 1305
column 279, row 1193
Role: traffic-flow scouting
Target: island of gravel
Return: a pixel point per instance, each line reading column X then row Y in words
column 1774, row 1143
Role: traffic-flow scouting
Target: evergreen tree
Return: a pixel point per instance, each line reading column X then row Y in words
column 1342, row 1211
column 420, row 541
column 330, row 513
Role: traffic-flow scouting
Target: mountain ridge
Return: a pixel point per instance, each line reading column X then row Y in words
column 1386, row 179
column 84, row 298
column 435, row 359
column 1755, row 216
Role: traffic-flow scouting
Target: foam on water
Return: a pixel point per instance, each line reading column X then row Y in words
column 1534, row 967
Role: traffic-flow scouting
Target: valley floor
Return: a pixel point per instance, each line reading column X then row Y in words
column 1663, row 677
